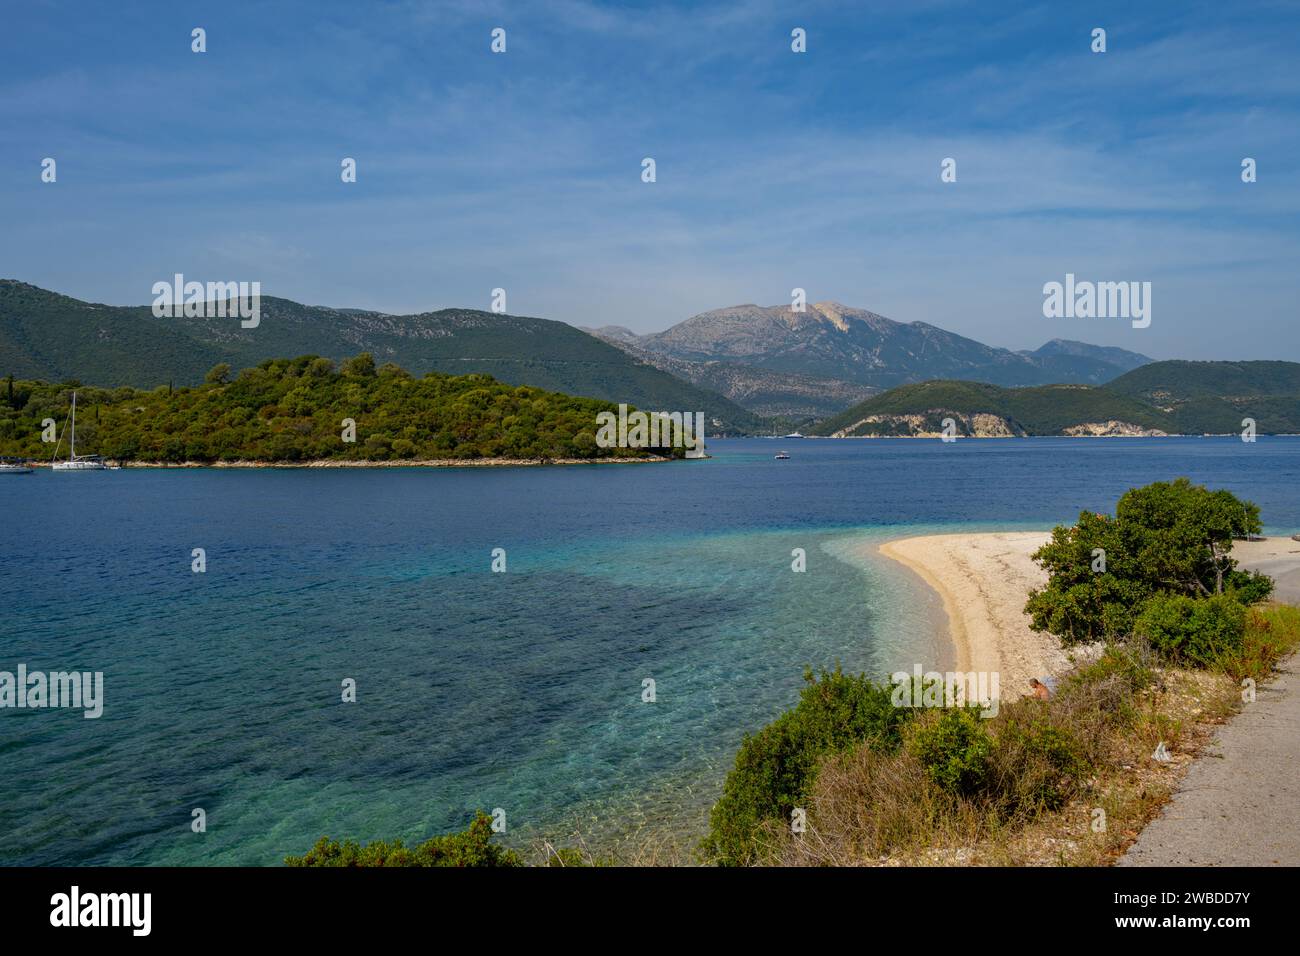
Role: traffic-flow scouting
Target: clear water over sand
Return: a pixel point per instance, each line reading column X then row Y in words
column 519, row 690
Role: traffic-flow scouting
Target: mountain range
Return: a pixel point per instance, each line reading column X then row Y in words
column 778, row 361
column 743, row 366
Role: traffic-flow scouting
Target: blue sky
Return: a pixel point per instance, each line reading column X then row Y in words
column 775, row 170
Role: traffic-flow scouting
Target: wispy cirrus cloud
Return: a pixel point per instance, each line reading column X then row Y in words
column 775, row 169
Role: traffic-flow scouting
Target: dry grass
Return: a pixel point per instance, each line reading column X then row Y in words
column 871, row 809
column 1272, row 632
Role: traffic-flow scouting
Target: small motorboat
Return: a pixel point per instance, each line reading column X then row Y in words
column 14, row 466
column 781, row 456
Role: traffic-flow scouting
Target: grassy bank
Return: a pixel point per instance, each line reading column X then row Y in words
column 1070, row 780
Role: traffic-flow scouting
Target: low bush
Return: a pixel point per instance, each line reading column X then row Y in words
column 776, row 767
column 1272, row 632
column 866, row 804
column 1131, row 664
column 1196, row 631
column 472, row 847
column 954, row 749
column 1036, row 763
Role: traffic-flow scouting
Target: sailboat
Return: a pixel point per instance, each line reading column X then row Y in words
column 77, row 462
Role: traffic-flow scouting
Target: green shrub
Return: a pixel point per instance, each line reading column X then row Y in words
column 1035, row 764
column 954, row 750
column 1191, row 630
column 570, row 856
column 472, row 847
column 1131, row 663
column 1078, row 604
column 1249, row 587
column 776, row 767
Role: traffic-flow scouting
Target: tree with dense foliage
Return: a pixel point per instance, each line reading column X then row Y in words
column 219, row 374
column 360, row 366
column 1168, row 538
column 294, row 410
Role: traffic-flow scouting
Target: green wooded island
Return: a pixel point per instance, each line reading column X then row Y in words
column 297, row 411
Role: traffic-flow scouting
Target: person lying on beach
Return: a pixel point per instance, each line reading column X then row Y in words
column 1041, row 691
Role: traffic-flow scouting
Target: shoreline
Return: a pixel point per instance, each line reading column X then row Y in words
column 983, row 580
column 931, row 436
column 362, row 463
column 957, row 636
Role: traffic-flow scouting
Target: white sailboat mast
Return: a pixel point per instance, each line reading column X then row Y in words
column 73, row 454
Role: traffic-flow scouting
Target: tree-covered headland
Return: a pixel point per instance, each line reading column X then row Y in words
column 308, row 409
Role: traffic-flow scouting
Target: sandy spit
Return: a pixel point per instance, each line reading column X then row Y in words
column 984, row 581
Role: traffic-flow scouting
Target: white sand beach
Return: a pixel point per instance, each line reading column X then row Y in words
column 984, row 580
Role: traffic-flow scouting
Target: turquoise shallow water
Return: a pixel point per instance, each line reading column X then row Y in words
column 519, row 690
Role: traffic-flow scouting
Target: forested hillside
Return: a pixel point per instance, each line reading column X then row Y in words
column 54, row 337
column 294, row 410
column 1184, row 398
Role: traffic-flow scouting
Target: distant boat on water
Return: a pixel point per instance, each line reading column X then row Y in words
column 14, row 466
column 77, row 462
column 781, row 456
column 793, row 435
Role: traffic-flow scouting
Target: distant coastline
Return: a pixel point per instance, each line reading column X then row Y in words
column 931, row 436
column 341, row 463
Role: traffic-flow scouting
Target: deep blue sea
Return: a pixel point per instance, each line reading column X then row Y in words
column 519, row 690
